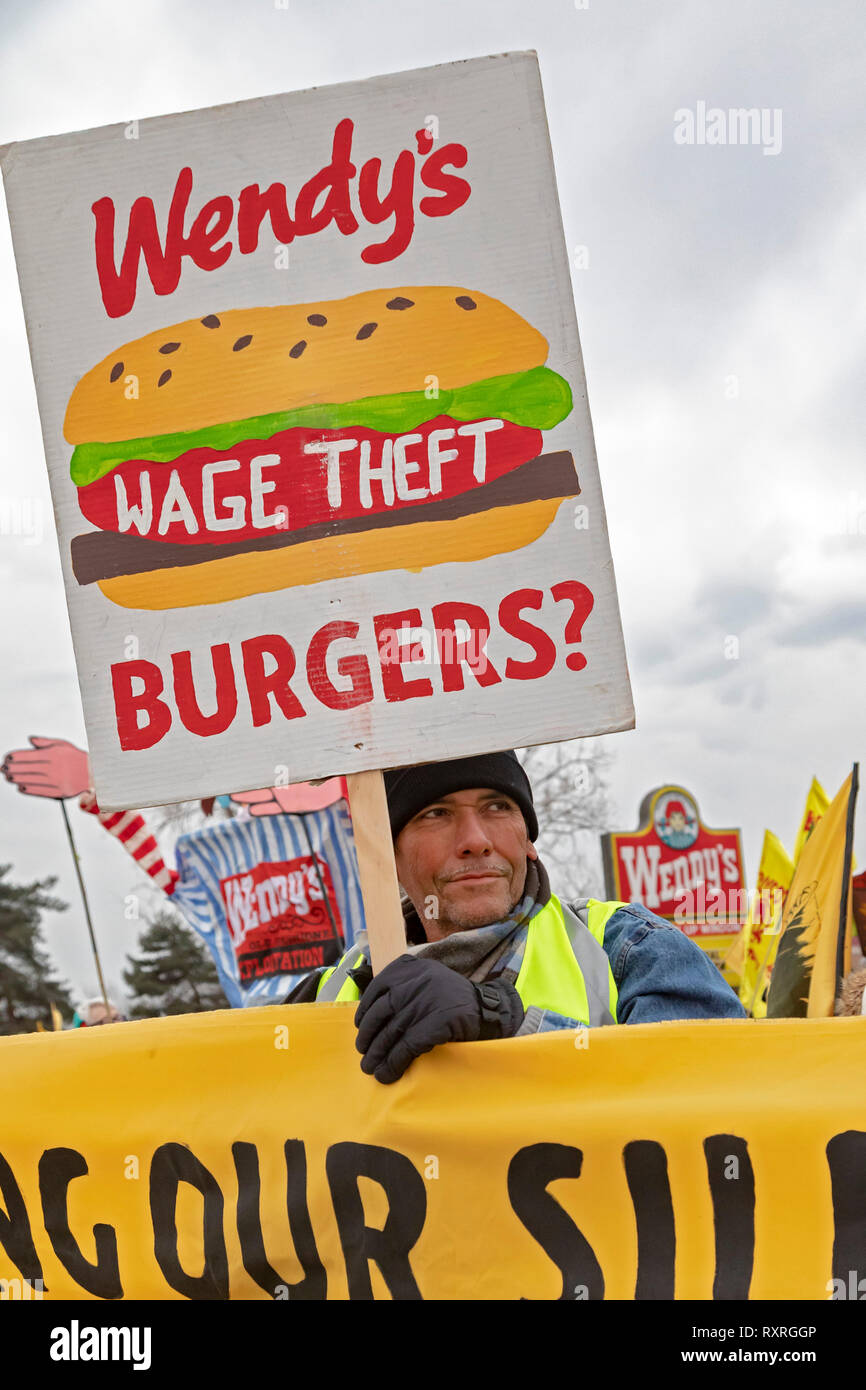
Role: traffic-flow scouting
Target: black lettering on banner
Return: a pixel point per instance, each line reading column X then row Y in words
column 57, row 1168
column 171, row 1165
column 315, row 1282
column 314, row 1285
column 407, row 1208
column 846, row 1156
column 15, row 1234
column 733, row 1215
column 529, row 1172
column 646, row 1171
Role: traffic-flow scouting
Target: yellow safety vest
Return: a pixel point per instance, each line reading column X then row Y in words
column 565, row 967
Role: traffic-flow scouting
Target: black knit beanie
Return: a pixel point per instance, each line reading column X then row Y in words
column 410, row 789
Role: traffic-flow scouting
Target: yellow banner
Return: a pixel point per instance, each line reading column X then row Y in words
column 805, row 972
column 245, row 1155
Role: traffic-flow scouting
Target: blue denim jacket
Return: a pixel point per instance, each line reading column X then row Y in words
column 659, row 973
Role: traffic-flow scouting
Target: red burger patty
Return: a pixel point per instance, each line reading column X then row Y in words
column 183, row 502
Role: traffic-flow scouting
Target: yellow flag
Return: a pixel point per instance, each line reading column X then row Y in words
column 735, row 960
column 817, row 802
column 734, row 964
column 765, row 912
column 807, row 961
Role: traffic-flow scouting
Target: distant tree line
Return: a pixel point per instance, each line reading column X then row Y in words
column 172, row 971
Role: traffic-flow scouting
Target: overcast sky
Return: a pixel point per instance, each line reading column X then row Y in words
column 721, row 301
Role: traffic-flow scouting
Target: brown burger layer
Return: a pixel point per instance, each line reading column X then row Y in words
column 108, row 554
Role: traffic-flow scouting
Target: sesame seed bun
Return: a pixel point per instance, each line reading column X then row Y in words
column 242, row 363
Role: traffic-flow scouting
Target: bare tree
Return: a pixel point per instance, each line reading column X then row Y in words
column 182, row 817
column 569, row 787
column 176, row 819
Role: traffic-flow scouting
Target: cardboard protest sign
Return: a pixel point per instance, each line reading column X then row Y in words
column 316, row 424
column 246, row 1156
column 273, row 896
column 681, row 869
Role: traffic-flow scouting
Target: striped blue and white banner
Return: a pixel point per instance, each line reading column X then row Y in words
column 235, row 851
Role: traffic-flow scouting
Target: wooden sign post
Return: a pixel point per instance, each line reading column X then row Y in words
column 377, row 870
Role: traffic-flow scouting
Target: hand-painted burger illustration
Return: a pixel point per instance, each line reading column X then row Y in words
column 258, row 449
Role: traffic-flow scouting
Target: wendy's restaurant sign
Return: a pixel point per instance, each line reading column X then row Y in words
column 681, row 869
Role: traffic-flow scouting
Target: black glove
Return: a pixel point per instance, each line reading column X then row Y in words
column 413, row 1005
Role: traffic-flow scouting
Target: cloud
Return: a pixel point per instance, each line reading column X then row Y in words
column 732, row 605
column 826, row 624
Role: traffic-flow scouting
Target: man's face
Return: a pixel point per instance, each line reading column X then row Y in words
column 462, row 860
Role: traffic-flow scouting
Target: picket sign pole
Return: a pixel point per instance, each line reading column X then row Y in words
column 378, row 873
column 87, row 916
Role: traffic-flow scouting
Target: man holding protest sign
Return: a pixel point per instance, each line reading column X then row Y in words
column 493, row 953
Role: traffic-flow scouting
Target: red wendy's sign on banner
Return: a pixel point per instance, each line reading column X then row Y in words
column 277, row 918
column 680, row 868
